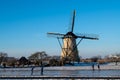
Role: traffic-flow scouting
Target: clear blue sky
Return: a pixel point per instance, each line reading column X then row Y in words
column 24, row 24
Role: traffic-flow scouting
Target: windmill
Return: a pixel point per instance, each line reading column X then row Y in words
column 69, row 48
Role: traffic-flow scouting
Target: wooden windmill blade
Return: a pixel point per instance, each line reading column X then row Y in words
column 73, row 21
column 88, row 36
column 57, row 35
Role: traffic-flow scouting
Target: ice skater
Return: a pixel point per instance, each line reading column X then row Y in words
column 32, row 70
column 98, row 66
column 93, row 67
column 42, row 68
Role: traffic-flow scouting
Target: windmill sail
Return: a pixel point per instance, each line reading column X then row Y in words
column 88, row 36
column 73, row 20
column 57, row 35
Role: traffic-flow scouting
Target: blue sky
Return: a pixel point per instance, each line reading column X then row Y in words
column 24, row 24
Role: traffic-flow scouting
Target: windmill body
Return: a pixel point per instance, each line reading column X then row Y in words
column 69, row 47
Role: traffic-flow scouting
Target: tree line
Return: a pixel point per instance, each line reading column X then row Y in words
column 37, row 58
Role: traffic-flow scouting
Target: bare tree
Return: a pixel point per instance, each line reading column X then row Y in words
column 3, row 57
column 38, row 56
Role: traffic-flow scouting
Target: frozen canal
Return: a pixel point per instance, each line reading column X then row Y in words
column 60, row 72
column 109, row 70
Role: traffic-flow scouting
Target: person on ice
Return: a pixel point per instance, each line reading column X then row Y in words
column 42, row 68
column 98, row 66
column 32, row 70
column 93, row 67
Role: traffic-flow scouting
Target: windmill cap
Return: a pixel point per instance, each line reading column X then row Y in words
column 70, row 34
